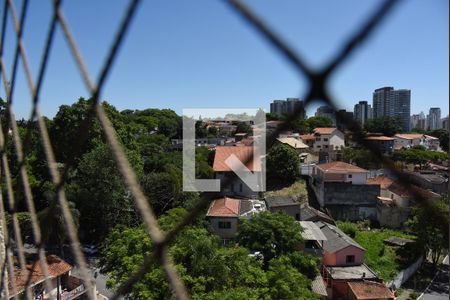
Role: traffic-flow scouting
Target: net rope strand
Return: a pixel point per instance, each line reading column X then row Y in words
column 317, row 91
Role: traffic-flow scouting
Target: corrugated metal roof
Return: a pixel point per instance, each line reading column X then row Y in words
column 336, row 239
column 311, row 232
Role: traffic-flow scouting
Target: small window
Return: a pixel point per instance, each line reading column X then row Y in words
column 297, row 217
column 350, row 259
column 350, row 175
column 317, row 139
column 325, row 140
column 224, row 225
column 318, row 146
column 326, row 146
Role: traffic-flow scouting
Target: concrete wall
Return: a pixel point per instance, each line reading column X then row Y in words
column 222, row 232
column 292, row 210
column 336, row 193
column 392, row 216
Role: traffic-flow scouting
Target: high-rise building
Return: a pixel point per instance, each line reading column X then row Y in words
column 444, row 123
column 418, row 121
column 288, row 106
column 382, row 99
column 362, row 112
column 328, row 112
column 434, row 118
column 393, row 103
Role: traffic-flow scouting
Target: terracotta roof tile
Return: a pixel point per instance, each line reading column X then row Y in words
column 379, row 138
column 224, row 207
column 370, row 290
column 340, row 166
column 324, row 130
column 306, row 137
column 409, row 136
column 243, row 153
column 56, row 267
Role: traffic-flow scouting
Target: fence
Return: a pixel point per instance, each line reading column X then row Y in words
column 405, row 274
column 318, row 90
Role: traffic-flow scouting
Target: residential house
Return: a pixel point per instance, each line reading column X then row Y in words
column 313, row 237
column 342, row 189
column 431, row 142
column 429, row 180
column 231, row 184
column 308, row 139
column 308, row 213
column 343, row 264
column 340, row 250
column 328, row 139
column 284, row 204
column 224, row 214
column 61, row 282
column 369, row 290
column 408, row 140
column 384, row 144
column 294, row 143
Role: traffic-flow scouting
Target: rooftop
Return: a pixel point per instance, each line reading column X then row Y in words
column 293, row 142
column 277, row 201
column 224, row 207
column 340, row 167
column 409, row 136
column 318, row 286
column 243, row 153
column 352, row 272
column 306, row 137
column 311, row 232
column 308, row 213
column 379, row 138
column 324, row 130
column 233, row 208
column 370, row 290
column 336, row 240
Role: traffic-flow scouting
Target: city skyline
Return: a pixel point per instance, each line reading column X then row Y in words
column 165, row 62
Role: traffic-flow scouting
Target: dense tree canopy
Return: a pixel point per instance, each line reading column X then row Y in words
column 283, row 163
column 208, row 270
column 385, row 125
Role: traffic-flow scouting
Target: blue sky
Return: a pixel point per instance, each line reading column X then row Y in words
column 188, row 54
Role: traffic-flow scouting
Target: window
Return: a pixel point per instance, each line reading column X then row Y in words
column 318, row 146
column 317, row 139
column 224, row 225
column 326, row 146
column 325, row 140
column 297, row 217
column 350, row 175
column 350, row 259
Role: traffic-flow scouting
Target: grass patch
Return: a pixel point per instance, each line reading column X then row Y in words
column 297, row 190
column 381, row 258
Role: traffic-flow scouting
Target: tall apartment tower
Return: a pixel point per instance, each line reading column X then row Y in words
column 362, row 112
column 288, row 106
column 434, row 118
column 393, row 103
column 328, row 112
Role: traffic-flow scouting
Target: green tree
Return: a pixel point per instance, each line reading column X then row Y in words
column 243, row 127
column 283, row 163
column 318, row 121
column 430, row 223
column 100, row 193
column 386, row 125
column 274, row 234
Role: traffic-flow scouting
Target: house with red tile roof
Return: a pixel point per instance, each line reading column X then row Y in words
column 224, row 214
column 408, row 140
column 61, row 281
column 231, row 184
column 369, row 290
column 342, row 188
